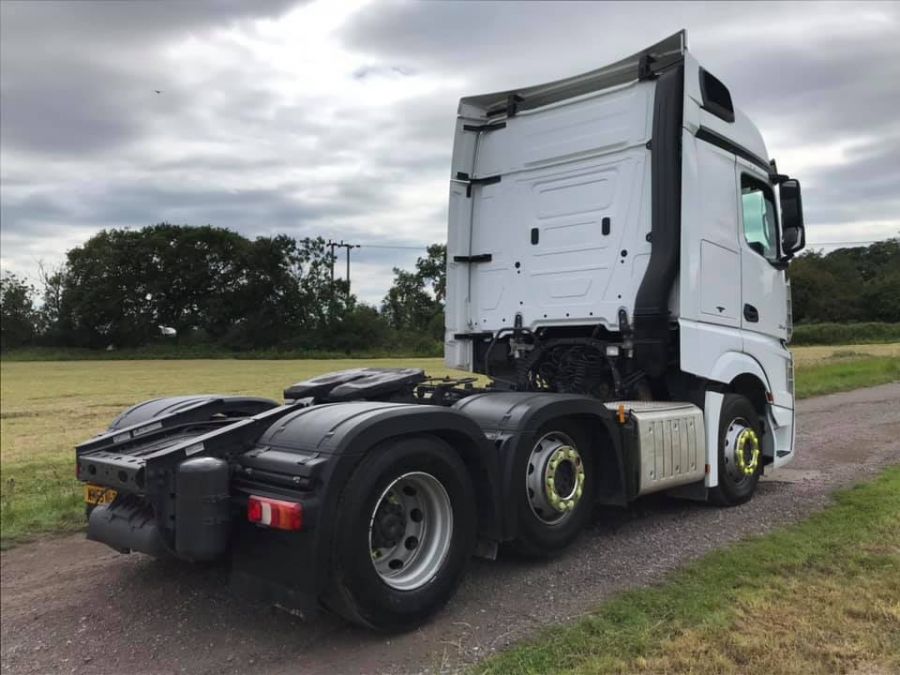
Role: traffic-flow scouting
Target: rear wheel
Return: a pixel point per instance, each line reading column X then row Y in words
column 555, row 489
column 405, row 532
column 740, row 452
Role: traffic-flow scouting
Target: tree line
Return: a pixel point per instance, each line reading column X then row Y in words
column 126, row 288
column 216, row 287
column 847, row 285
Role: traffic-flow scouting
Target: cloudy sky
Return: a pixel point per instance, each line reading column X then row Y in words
column 336, row 118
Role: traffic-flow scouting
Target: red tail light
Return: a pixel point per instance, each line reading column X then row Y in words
column 275, row 513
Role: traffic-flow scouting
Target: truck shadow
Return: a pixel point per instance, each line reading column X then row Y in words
column 192, row 606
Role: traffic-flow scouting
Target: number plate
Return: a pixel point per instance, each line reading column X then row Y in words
column 96, row 494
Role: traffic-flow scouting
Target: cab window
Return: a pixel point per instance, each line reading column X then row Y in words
column 760, row 224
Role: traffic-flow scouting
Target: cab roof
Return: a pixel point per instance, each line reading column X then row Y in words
column 662, row 54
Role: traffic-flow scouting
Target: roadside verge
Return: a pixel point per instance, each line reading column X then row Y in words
column 822, row 595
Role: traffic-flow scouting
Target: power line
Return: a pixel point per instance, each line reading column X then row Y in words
column 405, row 248
column 340, row 244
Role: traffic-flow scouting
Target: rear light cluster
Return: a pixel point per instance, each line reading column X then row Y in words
column 275, row 513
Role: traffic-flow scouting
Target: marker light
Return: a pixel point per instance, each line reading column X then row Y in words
column 275, row 513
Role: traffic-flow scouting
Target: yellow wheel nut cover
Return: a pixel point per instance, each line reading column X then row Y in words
column 747, row 438
column 564, row 453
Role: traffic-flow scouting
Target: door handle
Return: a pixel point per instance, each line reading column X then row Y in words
column 479, row 258
column 751, row 314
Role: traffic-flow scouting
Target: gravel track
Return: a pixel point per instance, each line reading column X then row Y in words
column 70, row 605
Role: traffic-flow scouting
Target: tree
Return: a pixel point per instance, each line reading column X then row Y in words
column 121, row 285
column 207, row 283
column 414, row 302
column 407, row 305
column 432, row 270
column 53, row 284
column 360, row 328
column 18, row 318
column 109, row 290
column 847, row 284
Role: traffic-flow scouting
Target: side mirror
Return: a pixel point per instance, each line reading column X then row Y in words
column 793, row 234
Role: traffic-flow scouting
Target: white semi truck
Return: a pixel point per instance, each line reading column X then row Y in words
column 618, row 246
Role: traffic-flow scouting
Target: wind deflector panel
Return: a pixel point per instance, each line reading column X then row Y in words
column 663, row 54
column 651, row 307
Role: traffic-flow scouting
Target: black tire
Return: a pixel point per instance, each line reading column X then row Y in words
column 736, row 489
column 535, row 537
column 357, row 591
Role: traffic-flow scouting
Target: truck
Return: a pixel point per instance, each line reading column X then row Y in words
column 617, row 287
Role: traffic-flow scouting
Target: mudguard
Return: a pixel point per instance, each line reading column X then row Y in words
column 309, row 455
column 510, row 419
column 236, row 406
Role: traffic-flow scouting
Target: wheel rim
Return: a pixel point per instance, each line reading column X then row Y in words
column 742, row 450
column 554, row 479
column 410, row 530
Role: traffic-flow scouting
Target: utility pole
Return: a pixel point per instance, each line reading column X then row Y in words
column 341, row 244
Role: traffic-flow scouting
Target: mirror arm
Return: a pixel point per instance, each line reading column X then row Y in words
column 778, row 178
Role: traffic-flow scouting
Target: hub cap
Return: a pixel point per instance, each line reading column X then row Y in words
column 742, row 450
column 554, row 481
column 410, row 531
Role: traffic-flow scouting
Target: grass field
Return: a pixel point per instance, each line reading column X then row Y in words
column 47, row 407
column 822, row 596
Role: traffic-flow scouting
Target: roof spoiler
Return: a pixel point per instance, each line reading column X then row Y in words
column 642, row 65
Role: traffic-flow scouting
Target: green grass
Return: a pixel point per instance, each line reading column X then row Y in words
column 846, row 373
column 161, row 351
column 819, row 596
column 845, row 333
column 48, row 407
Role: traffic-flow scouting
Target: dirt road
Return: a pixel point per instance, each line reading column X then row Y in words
column 69, row 605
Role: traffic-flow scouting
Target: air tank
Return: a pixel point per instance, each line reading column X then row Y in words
column 202, row 508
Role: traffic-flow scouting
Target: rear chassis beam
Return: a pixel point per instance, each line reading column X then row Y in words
column 142, row 459
column 128, row 458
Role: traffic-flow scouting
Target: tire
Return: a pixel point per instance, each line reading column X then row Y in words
column 551, row 519
column 405, row 531
column 740, row 452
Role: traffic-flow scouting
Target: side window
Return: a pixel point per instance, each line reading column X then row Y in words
column 760, row 224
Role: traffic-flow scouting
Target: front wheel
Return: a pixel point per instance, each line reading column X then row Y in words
column 405, row 531
column 740, row 452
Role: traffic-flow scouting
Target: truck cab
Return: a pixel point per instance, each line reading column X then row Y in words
column 634, row 206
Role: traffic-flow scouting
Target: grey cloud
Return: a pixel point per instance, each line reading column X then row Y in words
column 865, row 188
column 124, row 22
column 252, row 211
column 819, row 93
column 80, row 76
column 78, row 103
column 382, row 71
column 503, row 45
column 22, row 214
column 812, row 91
column 82, row 116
